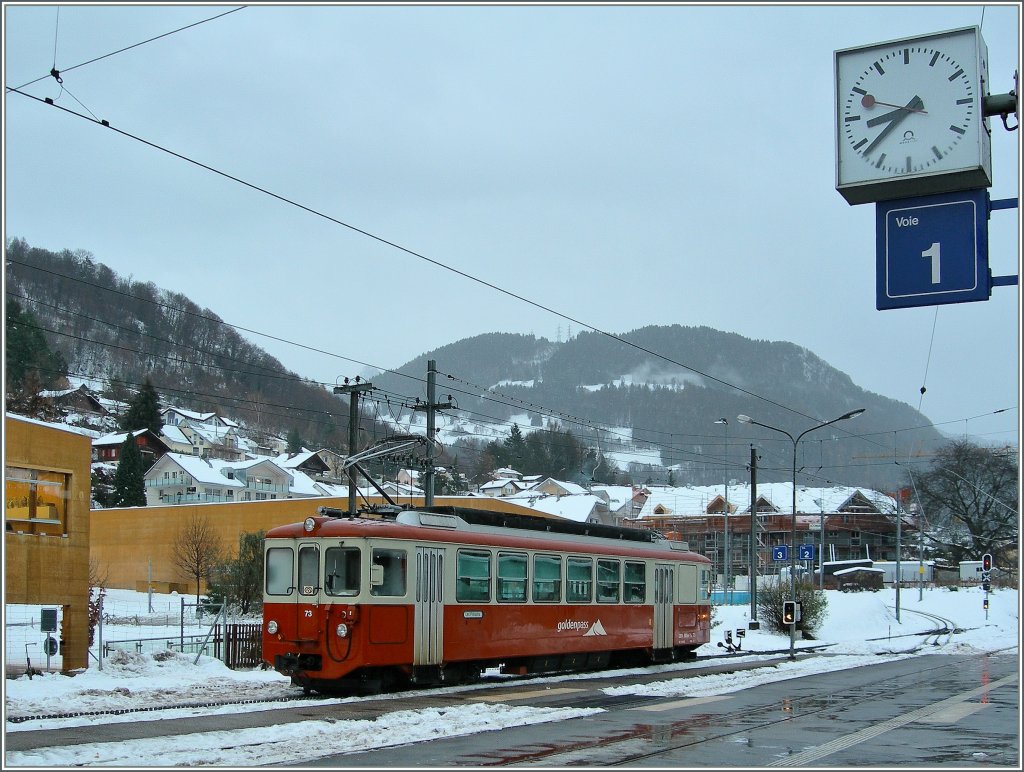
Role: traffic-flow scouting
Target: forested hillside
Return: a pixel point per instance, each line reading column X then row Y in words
column 666, row 386
column 109, row 327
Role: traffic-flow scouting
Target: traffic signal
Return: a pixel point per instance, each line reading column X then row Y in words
column 986, row 562
column 986, row 586
column 788, row 612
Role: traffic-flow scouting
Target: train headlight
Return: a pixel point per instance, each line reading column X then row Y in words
column 272, row 627
column 342, row 630
column 309, row 524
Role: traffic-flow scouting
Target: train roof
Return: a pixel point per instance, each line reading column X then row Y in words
column 466, row 520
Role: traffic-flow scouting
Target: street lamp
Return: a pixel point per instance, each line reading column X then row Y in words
column 745, row 419
column 727, row 568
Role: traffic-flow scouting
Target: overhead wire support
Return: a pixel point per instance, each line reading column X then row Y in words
column 353, row 390
column 431, row 407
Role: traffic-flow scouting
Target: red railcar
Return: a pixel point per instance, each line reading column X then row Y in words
column 437, row 595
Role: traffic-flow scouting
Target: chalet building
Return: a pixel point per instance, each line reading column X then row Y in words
column 308, row 462
column 80, row 400
column 183, row 479
column 852, row 523
column 108, row 447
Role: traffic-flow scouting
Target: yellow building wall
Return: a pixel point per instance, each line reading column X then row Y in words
column 45, row 564
column 125, row 542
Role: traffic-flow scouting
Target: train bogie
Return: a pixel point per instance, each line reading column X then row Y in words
column 438, row 596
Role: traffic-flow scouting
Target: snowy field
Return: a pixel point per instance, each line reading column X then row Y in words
column 861, row 626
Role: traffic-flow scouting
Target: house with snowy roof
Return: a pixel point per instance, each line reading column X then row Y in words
column 846, row 522
column 107, row 449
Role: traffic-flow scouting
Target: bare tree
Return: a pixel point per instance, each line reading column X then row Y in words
column 197, row 549
column 970, row 495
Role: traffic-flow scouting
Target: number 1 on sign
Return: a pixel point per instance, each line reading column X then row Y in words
column 933, row 253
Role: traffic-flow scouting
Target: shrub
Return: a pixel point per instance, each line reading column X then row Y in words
column 771, row 594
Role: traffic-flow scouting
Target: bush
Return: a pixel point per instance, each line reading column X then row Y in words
column 771, row 594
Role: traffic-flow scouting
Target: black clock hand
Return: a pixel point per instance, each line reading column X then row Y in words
column 895, row 118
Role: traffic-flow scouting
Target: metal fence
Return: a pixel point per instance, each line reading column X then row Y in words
column 238, row 645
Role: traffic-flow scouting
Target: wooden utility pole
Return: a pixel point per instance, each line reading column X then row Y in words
column 431, row 407
column 353, row 390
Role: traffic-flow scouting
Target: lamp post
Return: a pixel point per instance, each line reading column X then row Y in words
column 727, row 568
column 745, row 419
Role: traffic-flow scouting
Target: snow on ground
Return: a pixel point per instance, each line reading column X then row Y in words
column 861, row 627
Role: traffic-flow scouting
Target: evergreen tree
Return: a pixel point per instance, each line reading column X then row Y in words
column 26, row 351
column 295, row 441
column 144, row 410
column 129, row 479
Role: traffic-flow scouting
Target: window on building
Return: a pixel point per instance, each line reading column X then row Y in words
column 36, row 500
column 854, row 538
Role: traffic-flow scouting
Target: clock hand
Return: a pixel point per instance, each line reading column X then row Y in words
column 869, row 101
column 915, row 105
column 895, row 118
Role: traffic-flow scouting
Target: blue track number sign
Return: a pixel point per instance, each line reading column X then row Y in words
column 780, row 552
column 932, row 250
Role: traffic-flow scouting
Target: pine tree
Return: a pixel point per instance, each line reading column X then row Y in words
column 26, row 351
column 129, row 479
column 295, row 441
column 144, row 410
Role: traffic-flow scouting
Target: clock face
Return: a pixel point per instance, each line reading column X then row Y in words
column 909, row 108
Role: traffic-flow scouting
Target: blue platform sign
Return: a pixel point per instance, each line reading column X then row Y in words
column 932, row 250
column 780, row 552
column 805, row 552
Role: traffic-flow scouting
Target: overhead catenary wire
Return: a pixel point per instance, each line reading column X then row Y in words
column 418, row 255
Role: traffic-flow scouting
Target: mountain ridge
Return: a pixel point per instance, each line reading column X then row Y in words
column 668, row 384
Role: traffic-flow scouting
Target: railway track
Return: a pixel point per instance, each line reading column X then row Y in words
column 299, row 697
column 939, row 635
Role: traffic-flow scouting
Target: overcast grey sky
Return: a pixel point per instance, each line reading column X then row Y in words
column 623, row 166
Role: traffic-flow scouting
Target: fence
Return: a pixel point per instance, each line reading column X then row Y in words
column 238, row 645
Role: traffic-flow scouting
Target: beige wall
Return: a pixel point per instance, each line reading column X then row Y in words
column 49, row 565
column 124, row 541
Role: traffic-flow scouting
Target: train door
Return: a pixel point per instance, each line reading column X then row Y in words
column 429, row 613
column 663, row 605
column 307, row 603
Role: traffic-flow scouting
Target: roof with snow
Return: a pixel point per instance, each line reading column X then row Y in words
column 695, row 500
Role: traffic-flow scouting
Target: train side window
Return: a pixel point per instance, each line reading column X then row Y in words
column 634, row 583
column 579, row 580
column 547, row 578
column 309, row 569
column 341, row 570
column 392, row 572
column 473, row 583
column 279, row 571
column 512, row 577
column 608, row 575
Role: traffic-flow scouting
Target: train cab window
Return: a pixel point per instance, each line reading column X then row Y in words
column 634, row 585
column 608, row 576
column 309, row 569
column 279, row 571
column 473, row 583
column 547, row 578
column 579, row 580
column 387, row 572
column 705, row 583
column 512, row 577
column 341, row 570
